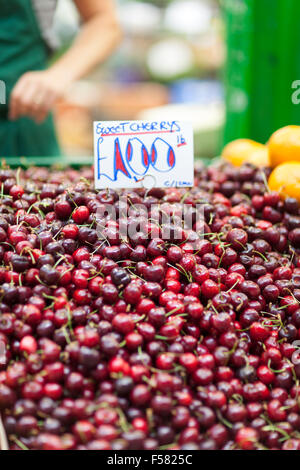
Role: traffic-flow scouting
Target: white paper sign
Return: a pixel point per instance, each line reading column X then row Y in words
column 136, row 154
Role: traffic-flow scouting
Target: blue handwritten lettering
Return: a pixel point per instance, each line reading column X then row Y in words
column 137, row 159
column 137, row 127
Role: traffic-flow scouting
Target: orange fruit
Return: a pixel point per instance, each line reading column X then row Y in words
column 284, row 145
column 285, row 179
column 246, row 151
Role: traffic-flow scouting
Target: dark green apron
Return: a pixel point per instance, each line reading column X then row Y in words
column 22, row 49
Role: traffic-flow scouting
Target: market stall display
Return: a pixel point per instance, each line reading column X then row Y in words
column 176, row 337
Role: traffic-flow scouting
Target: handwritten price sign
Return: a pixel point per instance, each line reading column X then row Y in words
column 137, row 154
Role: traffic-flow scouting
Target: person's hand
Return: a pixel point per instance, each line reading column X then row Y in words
column 35, row 95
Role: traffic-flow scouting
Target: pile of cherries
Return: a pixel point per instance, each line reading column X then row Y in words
column 150, row 342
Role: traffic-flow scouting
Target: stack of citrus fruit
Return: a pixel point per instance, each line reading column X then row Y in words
column 282, row 153
column 246, row 151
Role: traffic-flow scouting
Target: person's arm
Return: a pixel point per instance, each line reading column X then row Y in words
column 36, row 93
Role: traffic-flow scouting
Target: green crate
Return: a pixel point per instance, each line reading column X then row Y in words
column 26, row 162
column 263, row 60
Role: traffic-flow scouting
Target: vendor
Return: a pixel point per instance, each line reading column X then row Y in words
column 32, row 89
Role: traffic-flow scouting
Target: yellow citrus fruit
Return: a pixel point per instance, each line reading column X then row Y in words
column 284, row 145
column 285, row 179
column 246, row 151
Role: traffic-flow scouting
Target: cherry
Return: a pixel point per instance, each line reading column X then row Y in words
column 49, row 275
column 63, row 209
column 195, row 324
column 153, row 273
column 132, row 293
column 80, row 278
column 83, row 297
column 80, row 214
column 209, row 289
column 237, row 238
column 53, row 390
column 70, row 231
column 84, row 431
column 174, row 254
column 275, row 411
column 123, row 323
column 246, row 438
column 221, row 322
column 120, row 277
column 203, row 376
column 140, row 395
column 16, row 191
column 28, row 345
column 32, row 390
column 200, row 274
column 195, row 310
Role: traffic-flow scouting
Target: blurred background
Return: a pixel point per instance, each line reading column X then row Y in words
column 226, row 66
column 168, row 65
